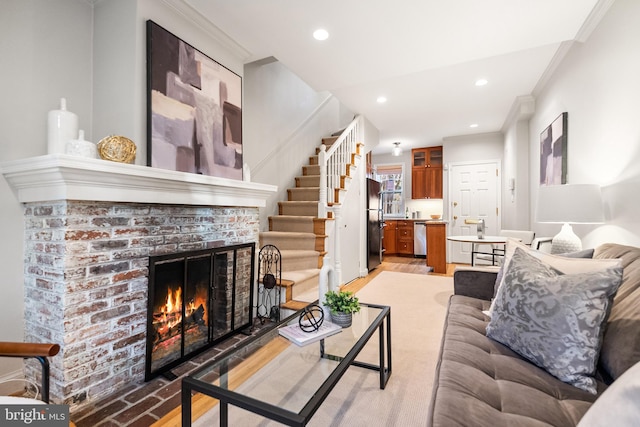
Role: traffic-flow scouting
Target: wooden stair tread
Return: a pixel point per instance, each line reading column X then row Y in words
column 299, row 202
column 294, row 305
column 285, row 283
column 290, row 234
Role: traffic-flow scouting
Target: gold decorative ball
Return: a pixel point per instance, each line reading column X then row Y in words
column 117, row 149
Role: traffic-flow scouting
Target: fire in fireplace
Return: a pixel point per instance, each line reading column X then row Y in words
column 196, row 299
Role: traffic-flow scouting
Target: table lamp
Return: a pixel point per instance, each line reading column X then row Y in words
column 569, row 204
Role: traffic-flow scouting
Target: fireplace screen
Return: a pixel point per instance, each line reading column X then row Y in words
column 196, row 299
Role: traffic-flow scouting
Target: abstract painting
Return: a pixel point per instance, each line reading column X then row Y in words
column 553, row 152
column 194, row 109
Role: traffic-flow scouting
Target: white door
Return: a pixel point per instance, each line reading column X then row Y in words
column 474, row 193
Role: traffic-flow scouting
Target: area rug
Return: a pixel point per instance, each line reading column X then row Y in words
column 418, row 307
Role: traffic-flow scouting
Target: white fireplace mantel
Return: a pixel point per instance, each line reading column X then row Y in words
column 65, row 177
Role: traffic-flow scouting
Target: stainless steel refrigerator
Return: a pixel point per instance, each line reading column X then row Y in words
column 374, row 224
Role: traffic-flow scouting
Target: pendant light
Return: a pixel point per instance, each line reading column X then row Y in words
column 396, row 149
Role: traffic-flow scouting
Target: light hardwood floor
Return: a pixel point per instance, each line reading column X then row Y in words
column 202, row 404
column 397, row 264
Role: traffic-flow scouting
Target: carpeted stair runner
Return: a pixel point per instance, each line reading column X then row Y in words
column 300, row 235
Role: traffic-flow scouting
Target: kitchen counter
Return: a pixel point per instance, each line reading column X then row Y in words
column 429, row 220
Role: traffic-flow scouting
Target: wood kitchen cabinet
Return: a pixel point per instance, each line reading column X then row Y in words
column 426, row 173
column 389, row 239
column 404, row 237
column 398, row 237
column 437, row 246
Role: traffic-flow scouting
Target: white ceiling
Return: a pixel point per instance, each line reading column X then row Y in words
column 424, row 56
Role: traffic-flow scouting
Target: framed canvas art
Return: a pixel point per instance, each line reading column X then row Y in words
column 194, row 109
column 553, row 152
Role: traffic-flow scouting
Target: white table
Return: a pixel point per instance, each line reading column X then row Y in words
column 486, row 240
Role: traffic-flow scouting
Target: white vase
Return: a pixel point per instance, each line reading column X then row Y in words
column 80, row 147
column 62, row 126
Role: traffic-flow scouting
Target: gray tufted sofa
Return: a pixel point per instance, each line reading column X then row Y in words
column 480, row 382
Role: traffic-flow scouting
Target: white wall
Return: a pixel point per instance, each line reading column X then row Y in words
column 96, row 58
column 515, row 178
column 46, row 51
column 597, row 84
column 515, row 201
column 286, row 119
column 483, row 146
column 284, row 122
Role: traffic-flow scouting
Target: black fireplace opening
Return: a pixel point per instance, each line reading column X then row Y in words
column 196, row 299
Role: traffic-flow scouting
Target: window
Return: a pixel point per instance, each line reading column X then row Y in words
column 392, row 179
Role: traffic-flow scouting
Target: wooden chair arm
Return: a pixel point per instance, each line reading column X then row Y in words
column 22, row 349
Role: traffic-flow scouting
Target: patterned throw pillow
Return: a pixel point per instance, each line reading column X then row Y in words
column 555, row 320
column 562, row 263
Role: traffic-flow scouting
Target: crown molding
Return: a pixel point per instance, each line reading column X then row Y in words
column 561, row 52
column 592, row 21
column 184, row 9
column 597, row 13
column 523, row 108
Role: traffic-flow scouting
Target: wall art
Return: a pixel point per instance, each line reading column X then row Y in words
column 553, row 152
column 194, row 109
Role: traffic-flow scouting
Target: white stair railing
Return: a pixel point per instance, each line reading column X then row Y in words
column 335, row 163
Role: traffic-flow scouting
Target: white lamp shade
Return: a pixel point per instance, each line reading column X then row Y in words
column 571, row 203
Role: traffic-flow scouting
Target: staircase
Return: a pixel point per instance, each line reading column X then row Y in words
column 301, row 234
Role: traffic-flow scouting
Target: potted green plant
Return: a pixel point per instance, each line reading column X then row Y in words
column 342, row 305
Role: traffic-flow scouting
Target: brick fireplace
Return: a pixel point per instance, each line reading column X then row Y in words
column 90, row 228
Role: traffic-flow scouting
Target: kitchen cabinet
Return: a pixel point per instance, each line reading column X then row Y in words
column 404, row 237
column 398, row 240
column 398, row 237
column 437, row 246
column 426, row 173
column 389, row 239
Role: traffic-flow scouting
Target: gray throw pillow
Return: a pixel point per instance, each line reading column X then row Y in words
column 554, row 320
column 585, row 253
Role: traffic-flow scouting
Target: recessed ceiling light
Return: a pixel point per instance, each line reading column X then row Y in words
column 474, row 125
column 321, row 34
column 481, row 82
column 381, row 100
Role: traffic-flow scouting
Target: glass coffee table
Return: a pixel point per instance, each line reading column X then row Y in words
column 274, row 378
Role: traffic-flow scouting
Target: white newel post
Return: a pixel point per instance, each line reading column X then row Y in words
column 322, row 161
column 337, row 264
column 326, row 283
